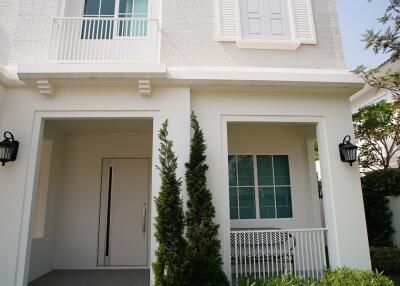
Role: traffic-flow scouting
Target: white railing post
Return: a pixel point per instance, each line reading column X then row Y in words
column 265, row 252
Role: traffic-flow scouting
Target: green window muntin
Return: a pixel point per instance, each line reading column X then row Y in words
column 262, row 179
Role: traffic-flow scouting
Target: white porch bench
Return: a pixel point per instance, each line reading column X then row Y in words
column 262, row 245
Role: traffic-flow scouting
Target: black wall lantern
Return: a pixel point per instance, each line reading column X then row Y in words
column 348, row 151
column 8, row 148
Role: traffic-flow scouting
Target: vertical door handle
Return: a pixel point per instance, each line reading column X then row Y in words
column 144, row 219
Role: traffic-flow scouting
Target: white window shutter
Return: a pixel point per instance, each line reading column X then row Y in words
column 304, row 21
column 228, row 20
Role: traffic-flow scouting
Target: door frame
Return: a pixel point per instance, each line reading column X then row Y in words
column 31, row 179
column 101, row 240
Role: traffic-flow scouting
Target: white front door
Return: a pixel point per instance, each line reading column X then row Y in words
column 123, row 213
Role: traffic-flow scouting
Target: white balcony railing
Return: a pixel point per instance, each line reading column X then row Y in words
column 105, row 39
column 267, row 252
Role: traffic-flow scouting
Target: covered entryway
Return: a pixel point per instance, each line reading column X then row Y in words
column 91, row 217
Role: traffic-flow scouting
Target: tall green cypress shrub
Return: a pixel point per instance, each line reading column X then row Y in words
column 204, row 262
column 169, row 227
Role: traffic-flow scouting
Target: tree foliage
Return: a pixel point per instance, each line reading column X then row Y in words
column 385, row 40
column 377, row 129
column 169, row 226
column 203, row 251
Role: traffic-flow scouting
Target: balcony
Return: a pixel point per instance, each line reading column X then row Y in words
column 104, row 40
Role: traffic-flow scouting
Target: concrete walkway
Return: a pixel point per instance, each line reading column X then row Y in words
column 93, row 278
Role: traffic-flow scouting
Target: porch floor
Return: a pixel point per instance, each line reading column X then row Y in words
column 124, row 277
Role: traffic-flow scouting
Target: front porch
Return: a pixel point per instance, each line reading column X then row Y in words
column 277, row 221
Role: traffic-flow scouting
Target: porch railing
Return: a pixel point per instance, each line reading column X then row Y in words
column 104, row 39
column 266, row 252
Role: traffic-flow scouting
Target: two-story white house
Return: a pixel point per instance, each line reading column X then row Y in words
column 85, row 86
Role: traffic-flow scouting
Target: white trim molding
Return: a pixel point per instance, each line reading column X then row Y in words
column 268, row 45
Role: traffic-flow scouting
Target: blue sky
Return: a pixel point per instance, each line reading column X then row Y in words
column 355, row 16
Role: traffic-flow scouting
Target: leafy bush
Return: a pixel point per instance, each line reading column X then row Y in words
column 385, row 259
column 378, row 217
column 383, row 181
column 353, row 277
column 376, row 186
column 285, row 280
column 337, row 277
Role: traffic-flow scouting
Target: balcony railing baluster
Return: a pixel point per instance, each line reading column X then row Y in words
column 104, row 39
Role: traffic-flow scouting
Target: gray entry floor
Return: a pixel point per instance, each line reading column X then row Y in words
column 94, row 278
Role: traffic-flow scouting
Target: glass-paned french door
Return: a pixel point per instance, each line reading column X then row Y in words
column 128, row 18
column 259, row 187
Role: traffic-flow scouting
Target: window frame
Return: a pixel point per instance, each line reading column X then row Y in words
column 257, row 188
column 116, row 15
column 116, row 10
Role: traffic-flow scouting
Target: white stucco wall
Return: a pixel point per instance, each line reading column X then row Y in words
column 189, row 37
column 32, row 30
column 25, row 104
column 42, row 255
column 281, row 139
column 8, row 19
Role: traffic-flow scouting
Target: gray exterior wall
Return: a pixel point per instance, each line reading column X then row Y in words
column 189, row 37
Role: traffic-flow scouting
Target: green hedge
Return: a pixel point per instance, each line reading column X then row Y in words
column 386, row 182
column 376, row 187
column 385, row 259
column 338, row 277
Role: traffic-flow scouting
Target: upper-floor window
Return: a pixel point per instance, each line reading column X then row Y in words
column 117, row 8
column 99, row 8
column 131, row 19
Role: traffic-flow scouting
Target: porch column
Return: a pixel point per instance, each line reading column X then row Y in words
column 343, row 201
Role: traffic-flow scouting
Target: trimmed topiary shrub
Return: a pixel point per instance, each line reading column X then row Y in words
column 336, row 277
column 385, row 259
column 169, row 226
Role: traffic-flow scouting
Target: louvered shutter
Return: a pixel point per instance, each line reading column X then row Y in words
column 228, row 20
column 304, row 21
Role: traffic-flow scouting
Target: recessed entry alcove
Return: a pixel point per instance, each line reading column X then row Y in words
column 91, row 216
